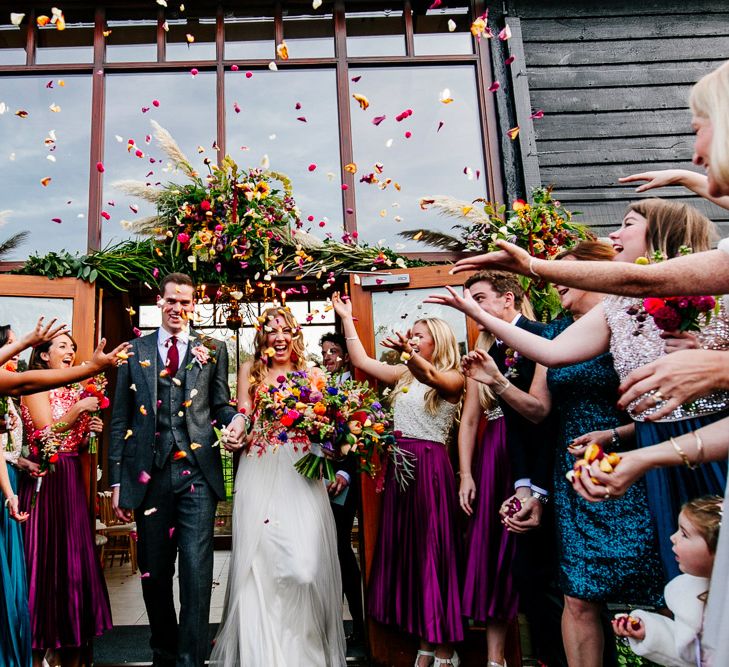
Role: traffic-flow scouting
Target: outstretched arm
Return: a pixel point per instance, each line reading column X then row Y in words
column 585, row 339
column 30, row 382
column 42, row 333
column 357, row 354
column 692, row 180
column 697, row 274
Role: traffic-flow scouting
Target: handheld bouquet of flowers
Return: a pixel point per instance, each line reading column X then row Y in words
column 96, row 387
column 45, row 444
column 325, row 420
column 544, row 228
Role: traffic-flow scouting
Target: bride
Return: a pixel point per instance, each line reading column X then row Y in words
column 283, row 606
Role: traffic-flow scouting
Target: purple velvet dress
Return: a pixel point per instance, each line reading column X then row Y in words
column 489, row 592
column 414, row 582
column 69, row 603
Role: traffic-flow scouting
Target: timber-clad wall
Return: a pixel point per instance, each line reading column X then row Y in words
column 613, row 79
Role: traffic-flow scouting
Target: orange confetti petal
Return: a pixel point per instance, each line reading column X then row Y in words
column 21, row 113
column 45, row 181
column 43, row 20
column 351, row 168
column 513, row 133
column 282, row 51
column 363, row 101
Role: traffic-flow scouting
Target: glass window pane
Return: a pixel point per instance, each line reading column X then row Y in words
column 309, row 33
column 203, row 31
column 375, row 32
column 126, row 97
column 268, row 124
column 429, row 162
column 75, row 44
column 133, row 36
column 26, row 144
column 22, row 313
column 12, row 43
column 432, row 35
column 249, row 34
column 398, row 311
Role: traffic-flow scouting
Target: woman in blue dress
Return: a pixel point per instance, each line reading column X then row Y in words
column 607, row 552
column 15, row 638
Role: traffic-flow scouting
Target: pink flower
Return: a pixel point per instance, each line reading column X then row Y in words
column 183, row 238
column 201, row 354
column 652, row 304
column 666, row 318
column 205, row 205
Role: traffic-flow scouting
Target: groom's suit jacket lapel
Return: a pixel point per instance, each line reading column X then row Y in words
column 194, row 367
column 148, row 351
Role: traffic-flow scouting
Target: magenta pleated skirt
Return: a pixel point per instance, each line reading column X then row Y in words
column 69, row 603
column 414, row 582
column 489, row 592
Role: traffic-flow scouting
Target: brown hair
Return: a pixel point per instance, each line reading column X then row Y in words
column 586, row 251
column 260, row 365
column 501, row 282
column 672, row 225
column 177, row 279
column 36, row 363
column 705, row 514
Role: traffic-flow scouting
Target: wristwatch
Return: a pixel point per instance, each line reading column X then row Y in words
column 541, row 497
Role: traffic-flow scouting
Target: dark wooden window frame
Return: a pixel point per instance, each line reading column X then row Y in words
column 480, row 60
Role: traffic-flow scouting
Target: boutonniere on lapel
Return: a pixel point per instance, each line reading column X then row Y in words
column 511, row 360
column 202, row 350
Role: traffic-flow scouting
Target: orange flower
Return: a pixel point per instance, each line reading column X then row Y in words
column 317, row 379
column 320, row 409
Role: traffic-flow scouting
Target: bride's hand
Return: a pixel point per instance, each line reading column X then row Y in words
column 510, row 258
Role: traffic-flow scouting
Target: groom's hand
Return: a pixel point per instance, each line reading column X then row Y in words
column 121, row 513
column 235, row 434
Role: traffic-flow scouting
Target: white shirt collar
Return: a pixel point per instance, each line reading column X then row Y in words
column 163, row 336
column 513, row 323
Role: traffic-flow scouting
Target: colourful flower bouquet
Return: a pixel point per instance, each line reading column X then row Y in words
column 327, row 421
column 96, row 388
column 44, row 446
column 680, row 313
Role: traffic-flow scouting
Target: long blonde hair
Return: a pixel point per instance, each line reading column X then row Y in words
column 672, row 225
column 710, row 99
column 259, row 369
column 445, row 358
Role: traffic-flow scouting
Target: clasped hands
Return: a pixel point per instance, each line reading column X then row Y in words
column 234, row 435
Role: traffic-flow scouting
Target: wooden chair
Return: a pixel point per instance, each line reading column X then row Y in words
column 121, row 536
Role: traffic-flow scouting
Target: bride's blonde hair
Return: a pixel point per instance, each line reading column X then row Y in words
column 445, row 358
column 259, row 369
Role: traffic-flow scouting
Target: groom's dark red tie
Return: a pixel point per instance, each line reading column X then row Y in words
column 173, row 357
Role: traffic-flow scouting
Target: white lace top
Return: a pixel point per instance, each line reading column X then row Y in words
column 414, row 421
column 634, row 344
column 11, row 449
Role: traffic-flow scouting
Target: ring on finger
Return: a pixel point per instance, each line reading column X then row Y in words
column 607, row 495
column 658, row 396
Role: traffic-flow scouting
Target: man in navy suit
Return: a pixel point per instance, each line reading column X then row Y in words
column 165, row 464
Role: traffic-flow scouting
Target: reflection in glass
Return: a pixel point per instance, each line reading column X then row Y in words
column 202, row 29
column 22, row 313
column 75, row 44
column 25, row 146
column 12, row 44
column 376, row 32
column 429, row 162
column 433, row 37
column 399, row 310
column 249, row 33
column 309, row 34
column 126, row 96
column 268, row 125
column 133, row 36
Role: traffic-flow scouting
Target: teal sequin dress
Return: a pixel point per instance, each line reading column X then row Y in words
column 607, row 551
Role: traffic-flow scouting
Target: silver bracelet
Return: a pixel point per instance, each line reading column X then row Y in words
column 351, row 338
column 9, row 500
column 502, row 388
column 531, row 268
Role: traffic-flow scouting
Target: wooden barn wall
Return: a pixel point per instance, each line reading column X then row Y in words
column 613, row 79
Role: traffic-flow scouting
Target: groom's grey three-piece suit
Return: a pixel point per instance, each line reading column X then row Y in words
column 163, row 455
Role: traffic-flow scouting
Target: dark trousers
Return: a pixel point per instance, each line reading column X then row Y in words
column 540, row 600
column 169, row 524
column 351, row 575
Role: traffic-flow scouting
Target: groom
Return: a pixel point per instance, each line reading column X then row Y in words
column 164, row 463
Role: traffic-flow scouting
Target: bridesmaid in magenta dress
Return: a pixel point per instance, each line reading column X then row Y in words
column 489, row 594
column 69, row 603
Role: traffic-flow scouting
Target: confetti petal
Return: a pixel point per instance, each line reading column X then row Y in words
column 451, row 25
column 194, row 71
column 43, row 20
column 316, row 4
column 57, row 220
column 505, row 33
column 236, row 107
column 311, row 167
column 302, row 119
column 351, row 168
column 378, row 119
column 282, row 50
column 513, row 133
column 494, row 87
column 150, row 511
column 440, row 125
column 45, row 181
column 21, row 113
column 509, row 60
column 100, row 167
column 16, row 18
column 436, row 4
column 144, row 477
column 362, row 100
column 190, row 38
column 355, row 79
column 445, row 96
column 273, row 66
column 539, row 113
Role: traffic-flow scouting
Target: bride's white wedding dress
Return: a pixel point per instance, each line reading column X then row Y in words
column 283, row 606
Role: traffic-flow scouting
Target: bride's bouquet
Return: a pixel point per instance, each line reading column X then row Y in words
column 327, row 421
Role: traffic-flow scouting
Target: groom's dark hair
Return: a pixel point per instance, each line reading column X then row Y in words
column 177, row 279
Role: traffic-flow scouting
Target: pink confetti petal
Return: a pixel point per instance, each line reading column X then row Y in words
column 302, row 119
column 234, row 68
column 172, row 531
column 57, row 220
column 494, row 87
column 311, row 167
column 436, row 4
column 505, row 33
column 100, row 167
column 145, row 109
column 539, row 113
column 297, row 106
column 378, row 119
column 236, row 107
column 408, row 135
column 509, row 60
column 249, row 75
column 440, row 125
column 194, row 71
column 145, row 575
column 144, row 477
column 355, row 79
column 105, row 215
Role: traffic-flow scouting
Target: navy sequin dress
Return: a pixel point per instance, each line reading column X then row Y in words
column 607, row 551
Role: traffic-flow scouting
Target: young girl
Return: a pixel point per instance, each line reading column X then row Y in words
column 676, row 642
